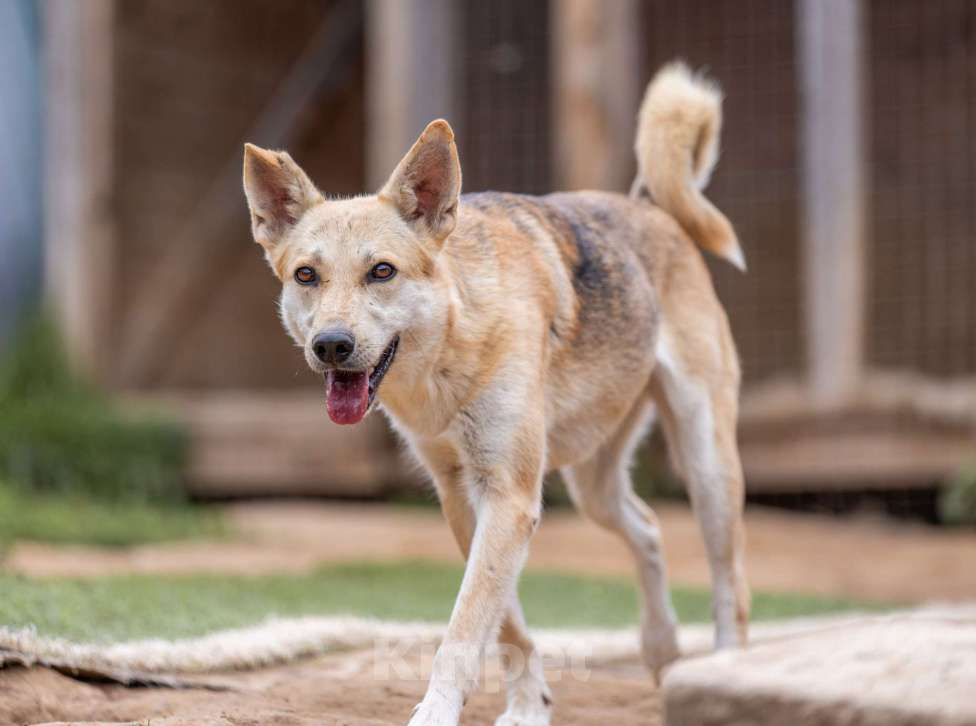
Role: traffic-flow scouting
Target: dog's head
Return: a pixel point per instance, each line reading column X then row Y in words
column 360, row 280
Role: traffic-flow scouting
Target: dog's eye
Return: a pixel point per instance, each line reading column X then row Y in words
column 305, row 276
column 382, row 272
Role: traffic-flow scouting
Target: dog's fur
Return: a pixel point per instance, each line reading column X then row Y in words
column 536, row 333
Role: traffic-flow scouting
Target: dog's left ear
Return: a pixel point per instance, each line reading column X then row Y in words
column 278, row 193
column 426, row 184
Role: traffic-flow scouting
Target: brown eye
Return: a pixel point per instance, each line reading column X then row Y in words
column 382, row 272
column 305, row 276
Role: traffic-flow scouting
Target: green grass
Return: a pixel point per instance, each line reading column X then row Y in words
column 60, row 434
column 957, row 500
column 64, row 519
column 114, row 608
column 77, row 468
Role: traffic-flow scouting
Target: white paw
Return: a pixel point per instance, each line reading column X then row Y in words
column 659, row 646
column 435, row 711
column 528, row 709
column 529, row 699
column 523, row 719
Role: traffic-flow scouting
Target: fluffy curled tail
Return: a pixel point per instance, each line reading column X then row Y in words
column 677, row 148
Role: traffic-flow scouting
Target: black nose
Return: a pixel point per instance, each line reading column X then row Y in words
column 333, row 346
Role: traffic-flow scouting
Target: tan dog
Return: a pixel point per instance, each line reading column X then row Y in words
column 508, row 335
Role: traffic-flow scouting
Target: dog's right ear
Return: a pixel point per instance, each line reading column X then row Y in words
column 278, row 193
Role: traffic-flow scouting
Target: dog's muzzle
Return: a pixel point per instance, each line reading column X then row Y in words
column 350, row 394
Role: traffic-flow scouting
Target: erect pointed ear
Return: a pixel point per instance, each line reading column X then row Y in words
column 427, row 182
column 278, row 193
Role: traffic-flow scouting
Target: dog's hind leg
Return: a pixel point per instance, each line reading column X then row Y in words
column 601, row 488
column 696, row 386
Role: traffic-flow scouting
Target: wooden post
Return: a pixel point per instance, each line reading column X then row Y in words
column 831, row 77
column 78, row 166
column 597, row 85
column 412, row 71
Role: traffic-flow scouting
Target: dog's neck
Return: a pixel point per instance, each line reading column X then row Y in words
column 422, row 392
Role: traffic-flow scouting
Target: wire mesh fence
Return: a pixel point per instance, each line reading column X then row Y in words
column 748, row 48
column 506, row 95
column 190, row 80
column 922, row 70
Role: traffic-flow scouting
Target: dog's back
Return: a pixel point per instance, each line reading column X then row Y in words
column 601, row 267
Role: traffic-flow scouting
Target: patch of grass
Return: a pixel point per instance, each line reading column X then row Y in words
column 957, row 500
column 115, row 608
column 66, row 519
column 59, row 434
column 74, row 467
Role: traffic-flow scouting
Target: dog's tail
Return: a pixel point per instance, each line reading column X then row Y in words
column 677, row 148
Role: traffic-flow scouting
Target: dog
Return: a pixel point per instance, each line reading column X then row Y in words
column 506, row 336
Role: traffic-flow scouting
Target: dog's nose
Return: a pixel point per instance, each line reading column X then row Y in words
column 333, row 346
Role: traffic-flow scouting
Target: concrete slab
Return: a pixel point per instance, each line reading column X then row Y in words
column 905, row 669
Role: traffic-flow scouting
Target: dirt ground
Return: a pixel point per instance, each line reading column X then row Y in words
column 859, row 558
column 863, row 558
column 332, row 690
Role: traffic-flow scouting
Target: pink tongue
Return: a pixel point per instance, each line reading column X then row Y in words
column 347, row 395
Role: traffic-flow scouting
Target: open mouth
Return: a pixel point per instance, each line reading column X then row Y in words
column 350, row 394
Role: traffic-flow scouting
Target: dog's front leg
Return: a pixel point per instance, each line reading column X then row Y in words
column 506, row 493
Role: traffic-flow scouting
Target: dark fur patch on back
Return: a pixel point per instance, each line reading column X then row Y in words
column 596, row 239
column 589, row 272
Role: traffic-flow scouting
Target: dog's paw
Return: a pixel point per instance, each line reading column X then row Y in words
column 529, row 698
column 528, row 709
column 509, row 718
column 659, row 646
column 435, row 711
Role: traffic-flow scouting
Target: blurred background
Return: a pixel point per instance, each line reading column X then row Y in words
column 167, row 466
column 142, row 352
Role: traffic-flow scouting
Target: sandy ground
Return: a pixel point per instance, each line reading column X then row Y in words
column 337, row 689
column 862, row 558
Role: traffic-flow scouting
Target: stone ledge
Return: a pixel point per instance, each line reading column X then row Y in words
column 904, row 669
